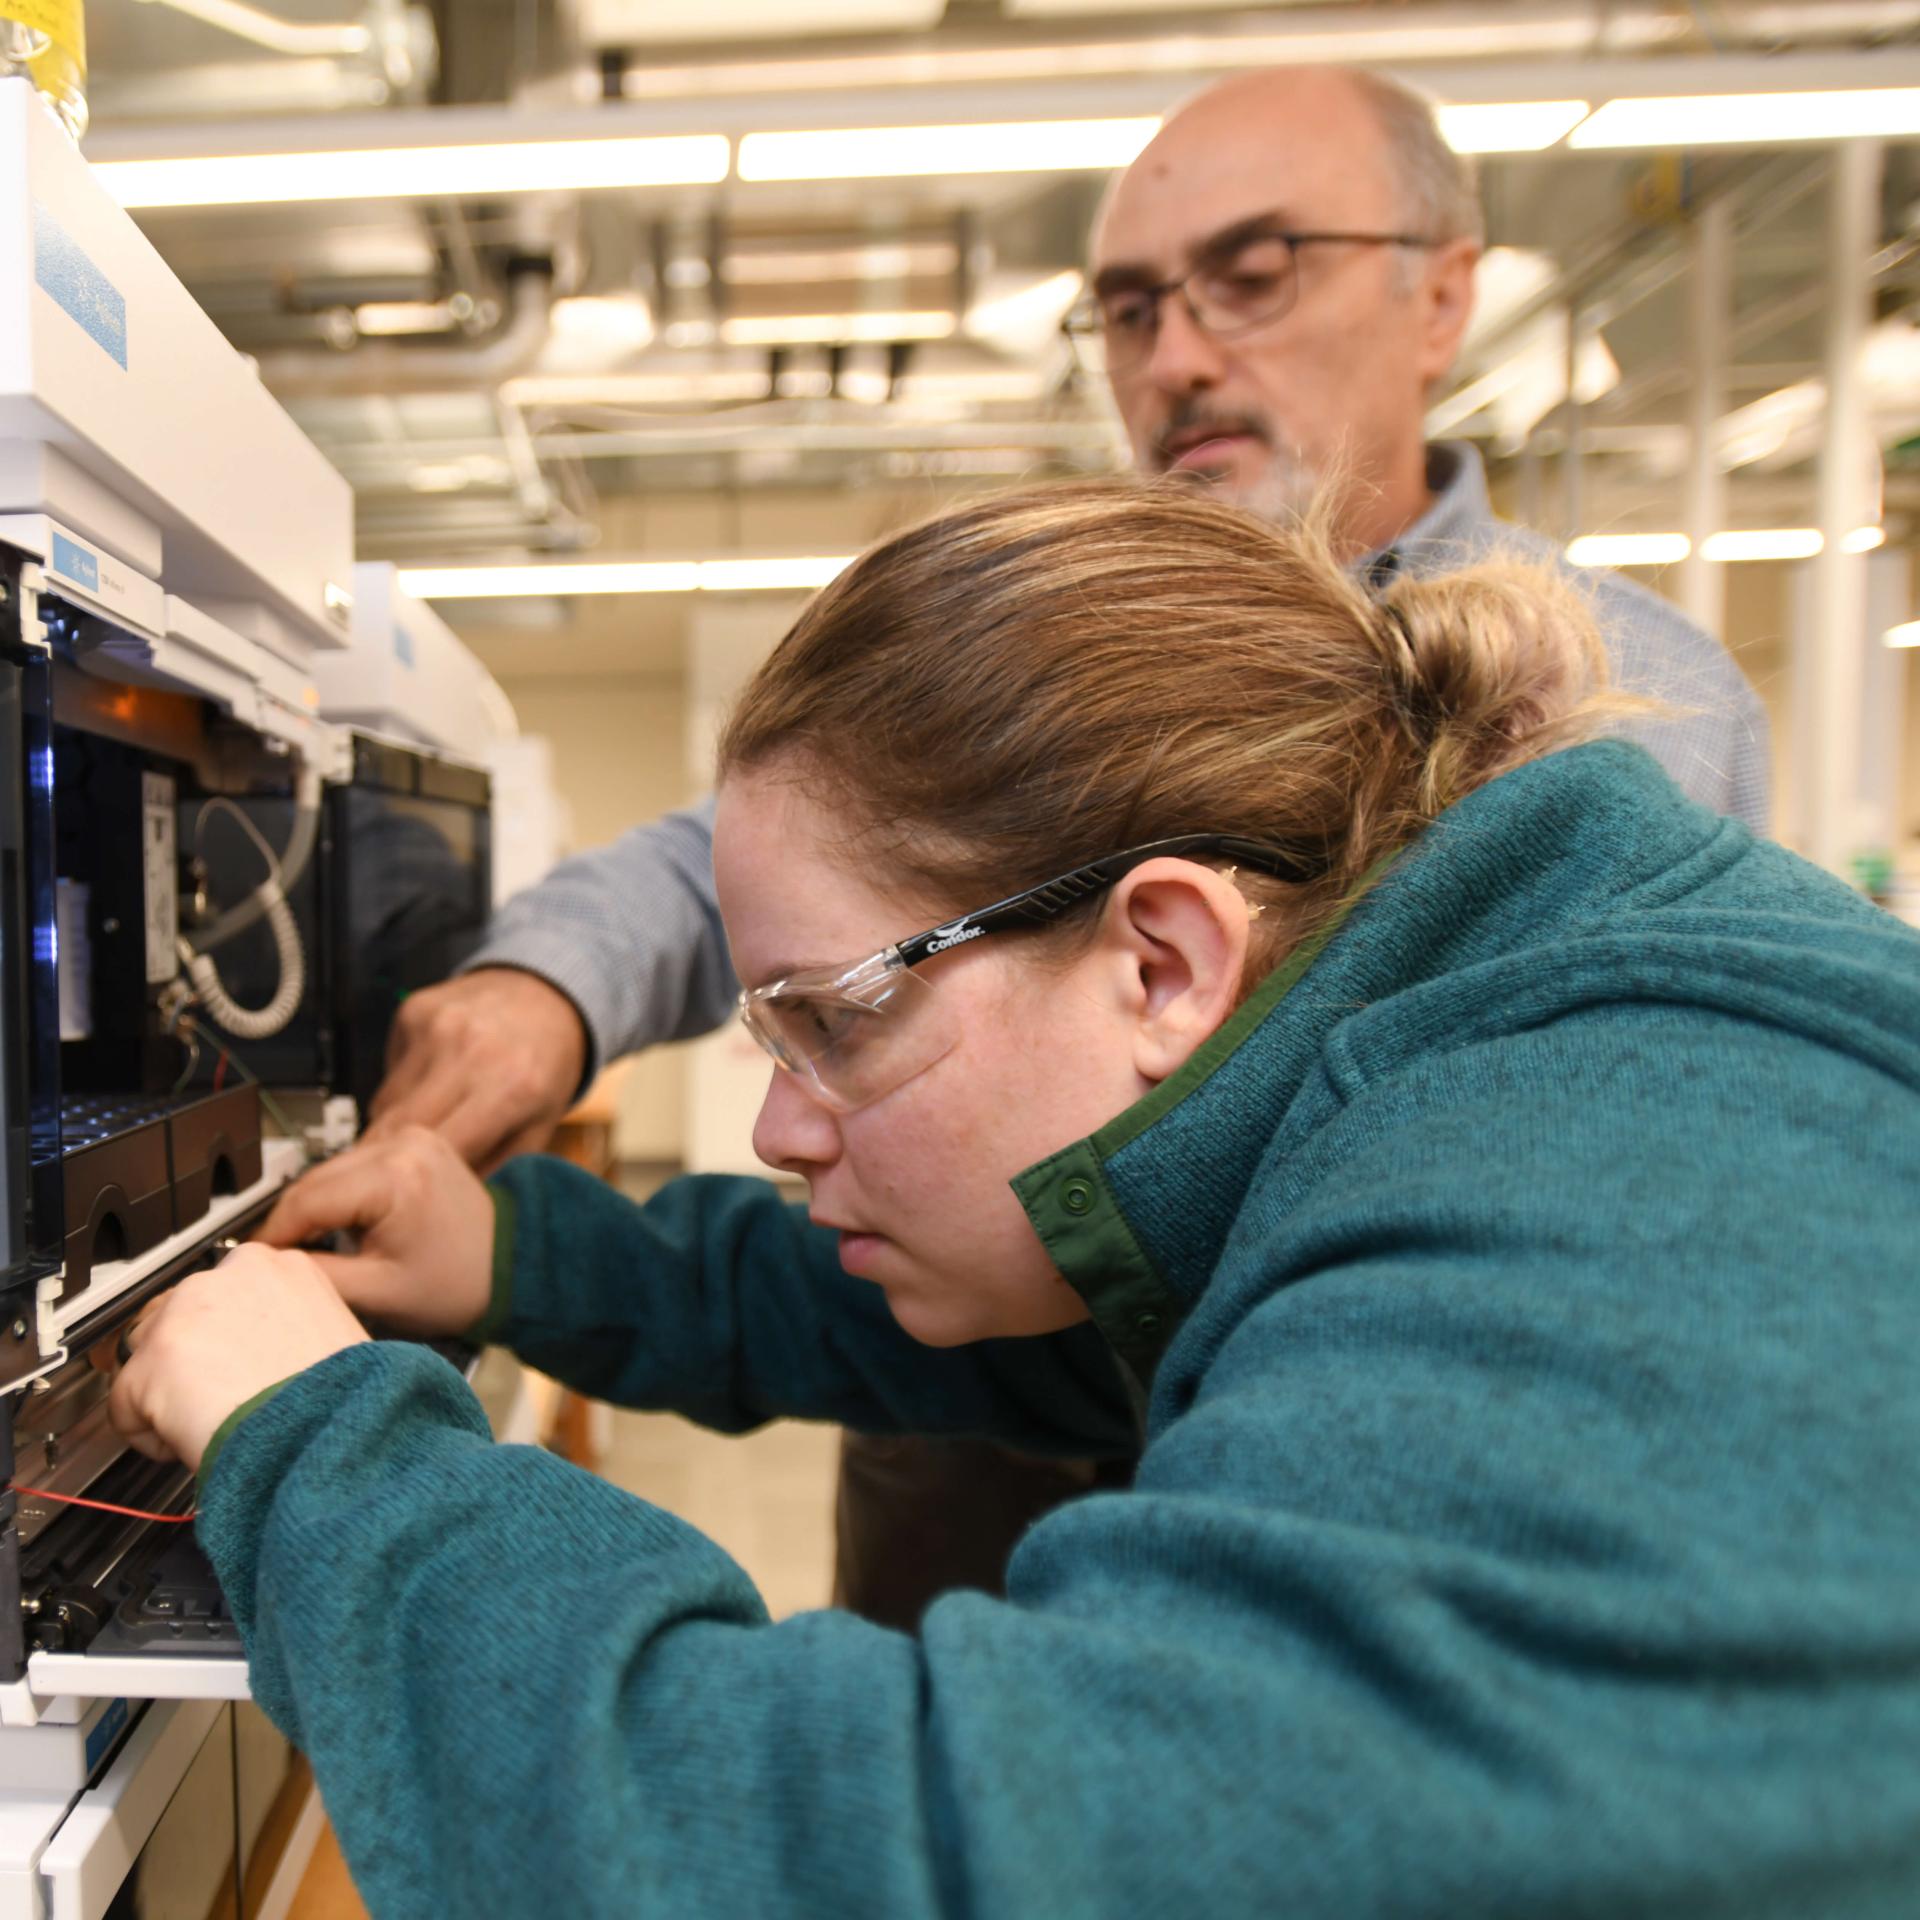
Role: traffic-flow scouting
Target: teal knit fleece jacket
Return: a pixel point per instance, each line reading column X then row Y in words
column 1526, row 1305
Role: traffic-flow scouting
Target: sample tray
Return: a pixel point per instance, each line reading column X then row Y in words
column 139, row 1167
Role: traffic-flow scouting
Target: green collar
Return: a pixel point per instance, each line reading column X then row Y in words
column 1072, row 1205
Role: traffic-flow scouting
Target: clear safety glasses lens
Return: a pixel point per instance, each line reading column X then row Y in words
column 853, row 1035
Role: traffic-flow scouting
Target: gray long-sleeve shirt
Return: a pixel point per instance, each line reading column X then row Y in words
column 631, row 932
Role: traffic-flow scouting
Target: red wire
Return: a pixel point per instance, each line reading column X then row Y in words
column 220, row 1073
column 105, row 1506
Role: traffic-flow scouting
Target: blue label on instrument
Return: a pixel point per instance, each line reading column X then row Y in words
column 403, row 645
column 104, row 1732
column 76, row 563
column 78, row 286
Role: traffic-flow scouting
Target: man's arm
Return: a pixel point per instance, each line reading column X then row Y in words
column 1714, row 738
column 616, row 949
column 630, row 933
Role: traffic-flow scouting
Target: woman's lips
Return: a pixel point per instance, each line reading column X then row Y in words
column 856, row 1243
column 856, row 1247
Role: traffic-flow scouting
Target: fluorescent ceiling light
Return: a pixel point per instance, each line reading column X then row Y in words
column 1396, row 39
column 1755, row 543
column 1753, row 119
column 403, row 316
column 455, row 476
column 1065, row 146
column 628, row 22
column 887, row 153
column 839, row 263
column 1905, row 635
column 492, row 583
column 974, row 386
column 832, row 329
column 1628, row 549
column 400, row 173
column 1511, row 126
column 774, row 575
column 981, row 386
column 603, row 323
column 797, row 573
column 1763, row 543
column 634, row 389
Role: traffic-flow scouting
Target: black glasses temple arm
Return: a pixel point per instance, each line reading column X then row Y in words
column 1037, row 906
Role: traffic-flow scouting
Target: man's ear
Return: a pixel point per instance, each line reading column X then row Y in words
column 1446, row 299
column 1178, row 932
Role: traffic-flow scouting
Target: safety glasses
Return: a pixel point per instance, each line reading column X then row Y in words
column 854, row 1034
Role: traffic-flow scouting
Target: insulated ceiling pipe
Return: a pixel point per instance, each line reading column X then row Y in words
column 1404, row 36
column 1770, row 20
column 389, row 368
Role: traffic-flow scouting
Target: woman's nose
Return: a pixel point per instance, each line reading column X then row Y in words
column 794, row 1132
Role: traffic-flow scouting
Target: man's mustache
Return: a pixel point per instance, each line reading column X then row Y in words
column 1188, row 425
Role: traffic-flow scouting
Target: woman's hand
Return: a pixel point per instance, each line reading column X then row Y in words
column 219, row 1338
column 425, row 1262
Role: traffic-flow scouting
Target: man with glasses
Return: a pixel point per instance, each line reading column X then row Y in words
column 1277, row 284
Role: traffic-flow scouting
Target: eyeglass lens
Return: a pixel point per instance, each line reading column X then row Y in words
column 1242, row 290
column 855, row 1047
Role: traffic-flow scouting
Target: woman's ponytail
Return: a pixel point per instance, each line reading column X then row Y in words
column 1496, row 664
column 1047, row 675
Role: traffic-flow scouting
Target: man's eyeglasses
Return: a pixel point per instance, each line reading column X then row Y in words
column 1246, row 282
column 856, row 1033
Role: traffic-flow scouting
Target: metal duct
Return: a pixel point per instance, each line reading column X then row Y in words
column 1401, row 36
column 1769, row 20
column 389, row 368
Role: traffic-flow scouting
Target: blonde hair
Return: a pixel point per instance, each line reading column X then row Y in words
column 1057, row 673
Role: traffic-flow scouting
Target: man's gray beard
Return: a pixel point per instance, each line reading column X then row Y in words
column 1285, row 488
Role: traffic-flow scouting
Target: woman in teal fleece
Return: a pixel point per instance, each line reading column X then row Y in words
column 1481, row 1181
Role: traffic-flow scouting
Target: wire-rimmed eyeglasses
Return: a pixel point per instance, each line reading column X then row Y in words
column 856, row 1033
column 1242, row 280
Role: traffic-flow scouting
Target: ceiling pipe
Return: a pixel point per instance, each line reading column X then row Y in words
column 389, row 368
column 1405, row 36
column 373, row 466
column 1767, row 20
column 277, row 36
column 797, row 109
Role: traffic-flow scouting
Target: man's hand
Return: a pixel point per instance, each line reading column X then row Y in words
column 425, row 1263
column 219, row 1338
column 491, row 1060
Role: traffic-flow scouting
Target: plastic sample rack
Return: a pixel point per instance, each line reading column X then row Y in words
column 139, row 1167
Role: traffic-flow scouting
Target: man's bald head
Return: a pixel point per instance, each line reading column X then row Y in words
column 1340, row 379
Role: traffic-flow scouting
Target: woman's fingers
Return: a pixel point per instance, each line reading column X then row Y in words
column 425, row 1252
column 353, row 1191
column 376, row 1290
column 220, row 1338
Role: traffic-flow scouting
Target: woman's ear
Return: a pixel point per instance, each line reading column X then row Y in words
column 1179, row 933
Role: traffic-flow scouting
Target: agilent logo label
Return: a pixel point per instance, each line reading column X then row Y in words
column 76, row 563
column 955, row 933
